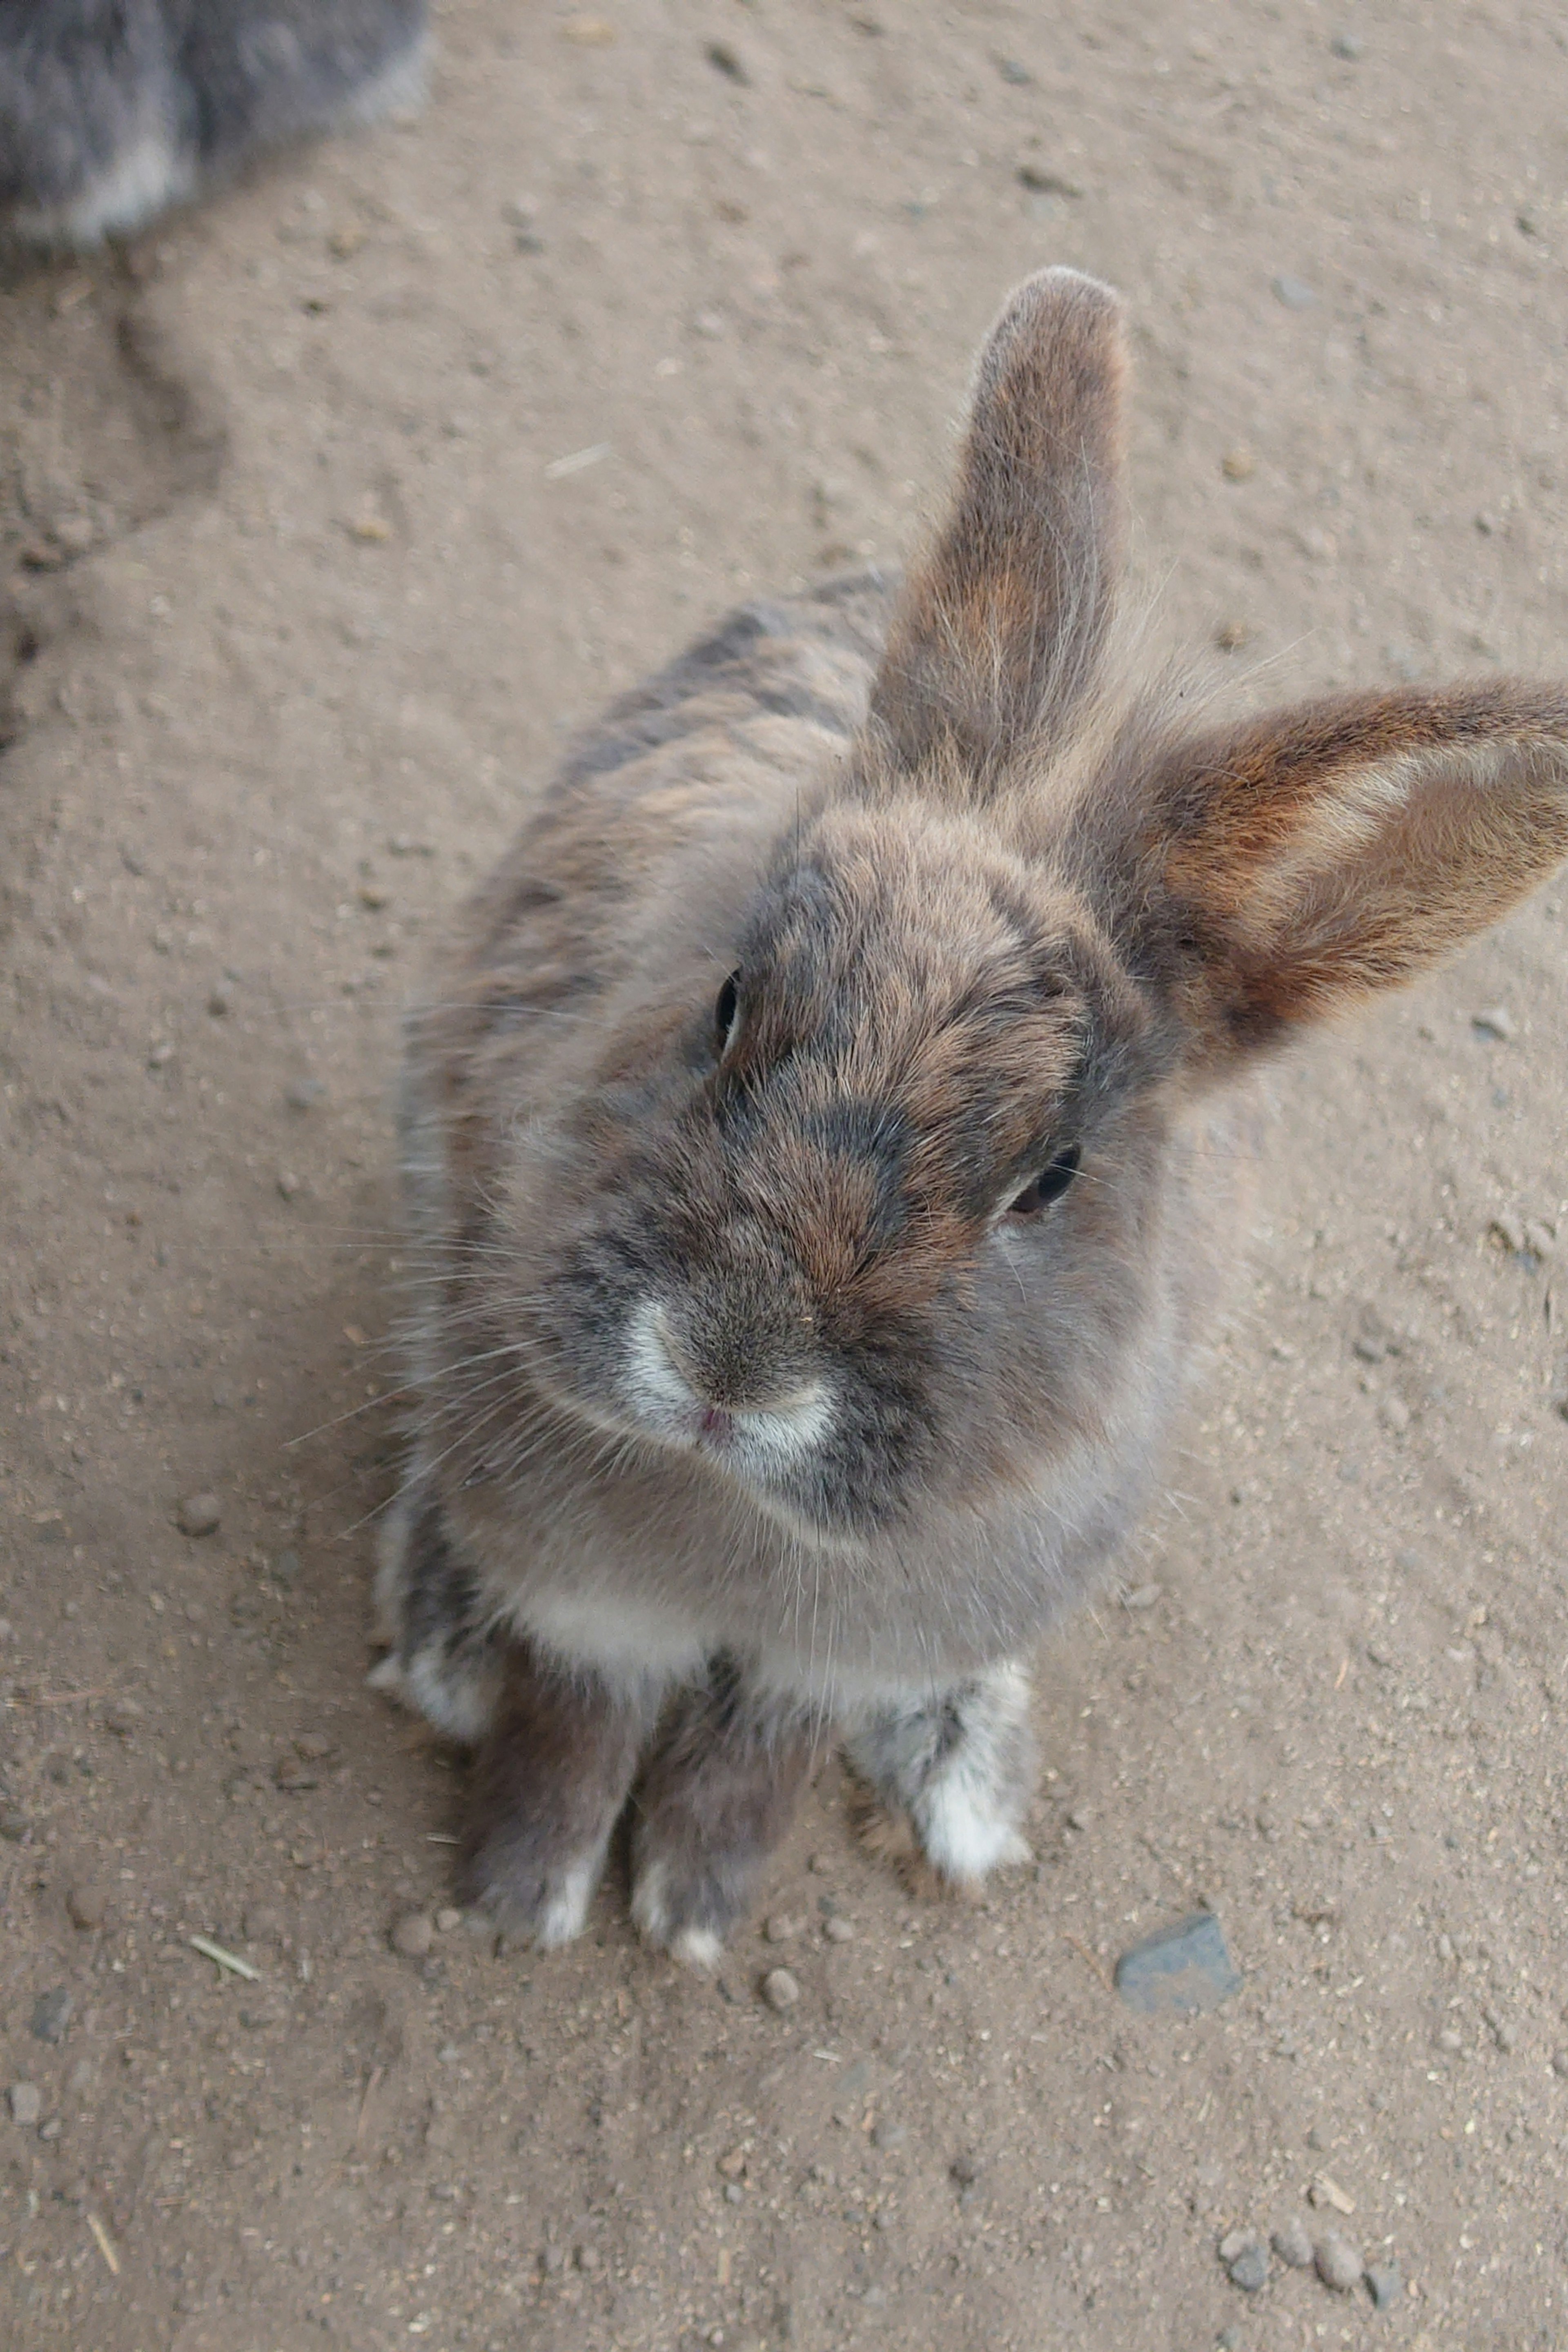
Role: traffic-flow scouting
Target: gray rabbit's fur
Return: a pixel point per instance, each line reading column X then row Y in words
column 110, row 110
column 793, row 1347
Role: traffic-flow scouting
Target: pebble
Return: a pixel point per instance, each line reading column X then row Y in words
column 1011, row 71
column 1394, row 1414
column 413, row 1935
column 1560, row 2063
column 1144, row 1598
column 1348, row 46
column 780, row 1989
column 51, row 2015
column 1238, row 465
column 1185, row 1968
column 199, row 1515
column 219, row 1002
column 1384, row 2285
column 447, row 1919
column 1338, row 2265
column 26, row 2103
column 1294, row 292
column 303, row 1094
column 311, row 1745
column 88, row 1906
column 1494, row 1020
column 121, row 1716
column 1292, row 2241
column 727, row 61
column 1248, row 2267
column 288, row 1183
column 1041, row 183
column 964, row 2169
column 1232, row 635
column 779, row 1928
column 889, row 2134
column 838, row 1930
column 293, row 1775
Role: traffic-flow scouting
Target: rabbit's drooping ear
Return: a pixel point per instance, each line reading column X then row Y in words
column 996, row 636
column 1308, row 858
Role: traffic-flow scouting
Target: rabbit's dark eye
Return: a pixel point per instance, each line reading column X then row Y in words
column 727, row 1013
column 1048, row 1186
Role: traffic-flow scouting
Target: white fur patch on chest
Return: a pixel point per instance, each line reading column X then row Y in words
column 623, row 1639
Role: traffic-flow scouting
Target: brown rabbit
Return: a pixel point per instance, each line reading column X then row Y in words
column 814, row 1138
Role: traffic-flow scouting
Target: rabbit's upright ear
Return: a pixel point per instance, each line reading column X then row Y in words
column 999, row 630
column 1287, row 867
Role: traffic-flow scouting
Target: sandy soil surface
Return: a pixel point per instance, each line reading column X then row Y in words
column 299, row 600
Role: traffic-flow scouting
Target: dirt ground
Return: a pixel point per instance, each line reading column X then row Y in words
column 299, row 597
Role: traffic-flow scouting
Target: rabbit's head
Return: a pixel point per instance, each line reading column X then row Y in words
column 867, row 1214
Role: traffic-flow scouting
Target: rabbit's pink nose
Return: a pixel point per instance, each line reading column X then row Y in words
column 717, row 1424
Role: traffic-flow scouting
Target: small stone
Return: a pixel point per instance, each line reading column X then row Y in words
column 889, row 2134
column 780, row 1989
column 1384, row 2285
column 1011, row 71
column 219, row 1002
column 1294, row 292
column 1324, row 2192
column 964, row 2169
column 51, row 2015
column 1042, row 183
column 448, row 1917
column 199, row 1515
column 588, row 32
column 1560, row 2065
column 733, row 2164
column 313, row 1744
column 294, row 1776
column 734, row 2194
column 1249, row 2270
column 413, row 1935
column 1539, row 1239
column 1494, row 1020
column 1235, row 2243
column 589, row 2260
column 372, row 896
column 1394, row 1414
column 1186, row 1966
column 1144, row 1597
column 779, row 1928
column 288, row 1183
column 726, row 60
column 553, row 2261
column 26, row 2103
column 1232, row 635
column 837, row 1929
column 1348, row 46
column 1292, row 2241
column 303, row 1094
column 1238, row 465
column 121, row 1716
column 88, row 1906
column 1338, row 2265
column 74, row 533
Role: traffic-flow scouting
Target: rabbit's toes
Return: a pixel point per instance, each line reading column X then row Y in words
column 958, row 1767
column 533, row 1898
column 688, row 1914
column 714, row 1805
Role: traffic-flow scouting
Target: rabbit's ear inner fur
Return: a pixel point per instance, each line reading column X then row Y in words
column 998, row 637
column 1304, row 860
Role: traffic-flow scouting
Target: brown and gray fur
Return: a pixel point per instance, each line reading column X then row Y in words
column 765, row 1392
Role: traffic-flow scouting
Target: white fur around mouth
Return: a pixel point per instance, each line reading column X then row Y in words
column 759, row 1441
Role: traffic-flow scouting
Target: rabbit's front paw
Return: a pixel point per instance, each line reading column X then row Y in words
column 959, row 1767
column 716, row 1802
column 548, row 1786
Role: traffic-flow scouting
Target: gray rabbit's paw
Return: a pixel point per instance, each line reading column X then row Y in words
column 444, row 1661
column 959, row 1767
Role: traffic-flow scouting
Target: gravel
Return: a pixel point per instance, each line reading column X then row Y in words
column 88, row 1906
column 51, row 2015
column 413, row 1935
column 1292, row 2241
column 1384, row 2285
column 1494, row 1020
column 1185, row 1968
column 838, row 1930
column 1294, row 292
column 26, row 2103
column 1338, row 2265
column 199, row 1515
column 780, row 1989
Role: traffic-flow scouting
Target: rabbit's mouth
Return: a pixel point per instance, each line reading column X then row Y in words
column 764, row 1441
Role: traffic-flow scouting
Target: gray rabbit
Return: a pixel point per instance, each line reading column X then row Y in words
column 110, row 110
column 818, row 1155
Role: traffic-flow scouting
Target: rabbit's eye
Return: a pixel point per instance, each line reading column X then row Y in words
column 727, row 1013
column 1048, row 1186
